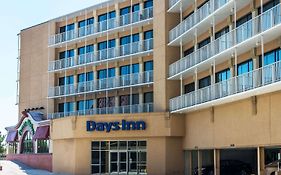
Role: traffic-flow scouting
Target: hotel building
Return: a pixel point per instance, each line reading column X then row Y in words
column 153, row 87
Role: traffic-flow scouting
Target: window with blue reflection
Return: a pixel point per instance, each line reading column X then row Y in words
column 148, row 34
column 221, row 32
column 245, row 67
column 106, row 16
column 243, row 19
column 148, row 66
column 89, row 76
column 125, row 11
column 204, row 82
column 269, row 5
column 66, row 80
column 270, row 57
column 88, row 48
column 69, row 106
column 222, row 75
column 66, row 54
column 103, row 73
column 127, row 39
column 61, row 107
column 148, row 3
column 67, row 28
column 103, row 45
column 85, row 22
column 124, row 70
column 188, row 51
column 85, row 105
column 204, row 43
column 102, row 17
column 136, row 7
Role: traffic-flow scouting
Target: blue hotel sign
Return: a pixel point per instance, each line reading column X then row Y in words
column 115, row 126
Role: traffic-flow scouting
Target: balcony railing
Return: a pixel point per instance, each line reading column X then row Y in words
column 257, row 25
column 195, row 18
column 248, row 81
column 136, row 108
column 102, row 55
column 172, row 3
column 102, row 26
column 102, row 84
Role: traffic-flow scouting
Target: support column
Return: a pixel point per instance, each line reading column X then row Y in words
column 96, row 23
column 199, row 162
column 117, row 41
column 217, row 161
column 261, row 163
column 117, row 10
column 141, row 36
column 141, row 6
column 141, row 99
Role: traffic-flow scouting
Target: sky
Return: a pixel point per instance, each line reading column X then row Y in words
column 14, row 16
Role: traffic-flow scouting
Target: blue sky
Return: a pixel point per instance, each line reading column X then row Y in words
column 14, row 16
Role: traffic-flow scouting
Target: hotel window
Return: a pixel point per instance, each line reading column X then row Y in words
column 148, row 66
column 221, row 32
column 43, row 146
column 67, row 28
column 124, row 70
column 269, row 5
column 27, row 143
column 89, row 76
column 270, row 57
column 204, row 82
column 102, row 102
column 126, row 99
column 86, row 22
column 148, row 3
column 106, row 73
column 119, row 157
column 148, row 34
column 222, row 75
column 128, row 39
column 66, row 54
column 106, row 16
column 87, row 49
column 105, row 44
column 189, row 88
column 204, row 43
column 245, row 67
column 188, row 51
column 66, row 80
column 243, row 19
column 66, row 107
column 136, row 7
column 125, row 11
column 85, row 105
column 148, row 97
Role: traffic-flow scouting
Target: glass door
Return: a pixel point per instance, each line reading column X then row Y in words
column 132, row 165
column 123, row 162
column 113, row 159
column 118, row 162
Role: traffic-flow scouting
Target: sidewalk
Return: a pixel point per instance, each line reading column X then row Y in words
column 17, row 168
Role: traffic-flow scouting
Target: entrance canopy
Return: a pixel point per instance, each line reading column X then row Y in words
column 12, row 136
column 42, row 133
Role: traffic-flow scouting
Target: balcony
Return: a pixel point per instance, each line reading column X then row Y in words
column 103, row 28
column 243, row 38
column 260, row 81
column 204, row 11
column 137, row 108
column 135, row 49
column 112, row 83
column 175, row 6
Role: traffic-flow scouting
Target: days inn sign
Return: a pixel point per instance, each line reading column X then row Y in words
column 115, row 126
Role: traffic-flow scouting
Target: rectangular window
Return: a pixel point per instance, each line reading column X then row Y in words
column 245, row 67
column 124, row 70
column 189, row 88
column 222, row 75
column 88, row 49
column 269, row 5
column 148, row 3
column 103, row 73
column 84, row 23
column 102, row 103
column 66, row 54
column 89, row 76
column 148, row 66
column 148, row 34
column 66, row 28
column 148, row 97
column 105, row 45
column 85, row 105
column 243, row 19
column 222, row 32
column 66, row 80
column 188, row 51
column 204, row 82
column 128, row 39
column 270, row 57
column 204, row 43
column 136, row 7
column 105, row 16
column 66, row 107
column 125, row 11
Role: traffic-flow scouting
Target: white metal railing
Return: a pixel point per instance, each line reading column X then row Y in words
column 259, row 24
column 258, row 78
column 101, row 55
column 136, row 108
column 102, row 84
column 202, row 13
column 102, row 26
column 172, row 3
